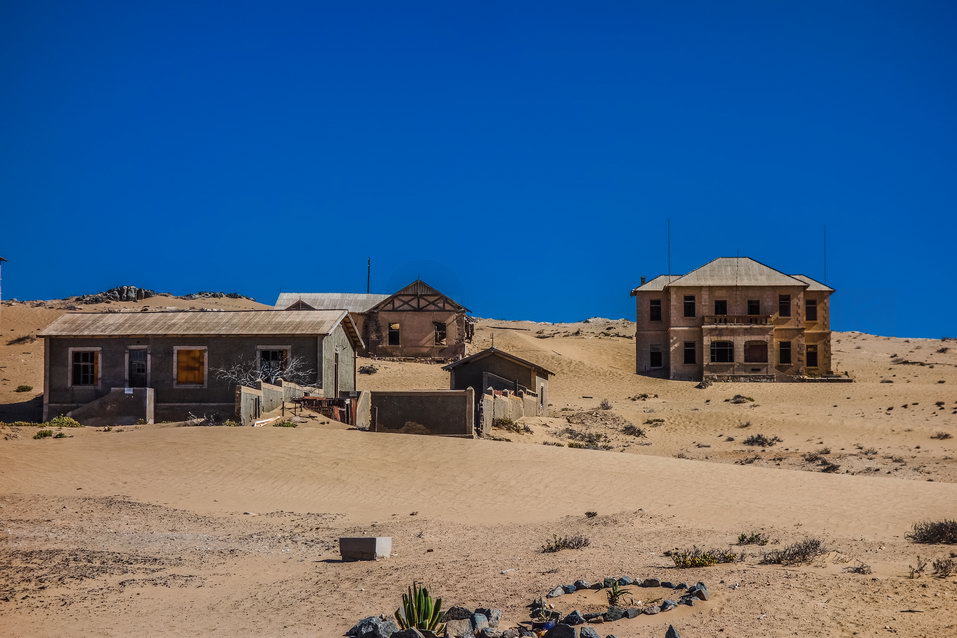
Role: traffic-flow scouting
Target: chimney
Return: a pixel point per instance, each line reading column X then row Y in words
column 644, row 280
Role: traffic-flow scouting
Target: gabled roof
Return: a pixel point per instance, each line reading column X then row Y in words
column 353, row 302
column 205, row 323
column 813, row 285
column 488, row 352
column 419, row 296
column 732, row 271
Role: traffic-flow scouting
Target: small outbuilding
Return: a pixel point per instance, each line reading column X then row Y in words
column 500, row 371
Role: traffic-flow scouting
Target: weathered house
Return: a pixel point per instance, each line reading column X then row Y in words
column 417, row 321
column 499, row 370
column 733, row 318
column 88, row 356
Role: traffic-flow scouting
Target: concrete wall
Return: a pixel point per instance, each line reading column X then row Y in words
column 248, row 404
column 442, row 412
column 272, row 396
column 506, row 405
column 120, row 406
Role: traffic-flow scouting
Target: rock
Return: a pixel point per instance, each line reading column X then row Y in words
column 594, row 617
column 626, row 580
column 686, row 600
column 555, row 593
column 479, row 621
column 582, row 584
column 651, row 610
column 409, row 633
column 488, row 632
column 494, row 615
column 651, row 582
column 562, row 631
column 632, row 612
column 700, row 590
column 588, row 632
column 614, row 613
column 569, row 589
column 574, row 618
column 459, row 628
column 374, row 627
column 667, row 584
column 608, row 582
column 597, row 585
column 672, row 632
column 681, row 586
column 667, row 605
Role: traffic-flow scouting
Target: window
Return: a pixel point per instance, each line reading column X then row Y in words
column 756, row 352
column 784, row 353
column 654, row 357
column 722, row 352
column 720, row 306
column 190, row 364
column 810, row 310
column 272, row 362
column 812, row 356
column 84, row 367
column 394, row 334
column 440, row 332
column 654, row 310
column 754, row 306
column 784, row 305
column 689, row 306
column 690, row 352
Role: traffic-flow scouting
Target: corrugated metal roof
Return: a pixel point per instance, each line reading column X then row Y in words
column 501, row 353
column 353, row 302
column 234, row 322
column 655, row 285
column 736, row 271
column 813, row 285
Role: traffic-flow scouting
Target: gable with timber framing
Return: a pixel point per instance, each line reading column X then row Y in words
column 418, row 297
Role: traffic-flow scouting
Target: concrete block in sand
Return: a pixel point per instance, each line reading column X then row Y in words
column 365, row 547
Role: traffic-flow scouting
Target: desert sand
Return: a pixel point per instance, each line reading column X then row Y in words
column 172, row 530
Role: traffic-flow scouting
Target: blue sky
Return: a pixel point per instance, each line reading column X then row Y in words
column 521, row 157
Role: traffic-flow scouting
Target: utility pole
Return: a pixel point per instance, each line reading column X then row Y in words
column 369, row 275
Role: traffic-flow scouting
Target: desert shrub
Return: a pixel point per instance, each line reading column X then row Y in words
column 64, row 422
column 420, row 611
column 696, row 557
column 511, row 426
column 579, row 445
column 616, row 593
column 942, row 436
column 43, row 434
column 591, row 440
column 654, row 421
column 633, row 430
column 800, row 552
column 917, row 569
column 813, row 457
column 558, row 543
column 604, row 405
column 934, row 532
column 591, row 514
column 16, row 341
column 753, row 538
column 762, row 440
column 284, row 424
column 860, row 568
column 553, row 443
column 740, row 398
column 24, row 388
column 944, row 567
column 829, row 467
column 59, row 435
column 746, row 424
column 368, row 369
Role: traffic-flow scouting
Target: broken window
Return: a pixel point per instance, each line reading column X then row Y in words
column 810, row 313
column 690, row 352
column 812, row 356
column 754, row 306
column 393, row 334
column 85, row 367
column 722, row 352
column 784, row 305
column 654, row 310
column 190, row 366
column 272, row 363
column 784, row 353
column 720, row 306
column 756, row 352
column 689, row 306
column 654, row 357
column 440, row 333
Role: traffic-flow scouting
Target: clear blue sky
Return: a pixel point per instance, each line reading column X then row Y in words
column 521, row 157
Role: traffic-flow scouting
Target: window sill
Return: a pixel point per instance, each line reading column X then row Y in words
column 188, row 386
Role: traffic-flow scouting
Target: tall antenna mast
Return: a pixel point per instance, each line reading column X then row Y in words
column 669, row 250
column 369, row 275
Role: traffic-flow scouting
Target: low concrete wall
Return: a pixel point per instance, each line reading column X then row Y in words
column 441, row 412
column 248, row 404
column 272, row 396
column 364, row 409
column 292, row 391
column 506, row 405
column 121, row 406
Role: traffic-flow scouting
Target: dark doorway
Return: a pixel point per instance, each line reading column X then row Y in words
column 137, row 374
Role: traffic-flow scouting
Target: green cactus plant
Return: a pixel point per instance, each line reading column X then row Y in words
column 419, row 610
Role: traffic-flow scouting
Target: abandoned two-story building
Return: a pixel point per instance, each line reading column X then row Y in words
column 94, row 357
column 733, row 319
column 417, row 321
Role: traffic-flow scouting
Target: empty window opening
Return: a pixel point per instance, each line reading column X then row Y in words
column 655, row 359
column 784, row 352
column 756, row 352
column 722, row 352
column 784, row 305
column 754, row 306
column 654, row 310
column 812, row 356
column 720, row 306
column 272, row 363
column 810, row 310
column 394, row 334
column 690, row 352
column 689, row 306
column 190, row 366
column 85, row 367
column 440, row 332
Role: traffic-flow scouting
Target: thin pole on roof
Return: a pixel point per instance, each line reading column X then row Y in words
column 369, row 275
column 669, row 250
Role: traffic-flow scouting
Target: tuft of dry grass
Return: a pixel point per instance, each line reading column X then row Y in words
column 797, row 553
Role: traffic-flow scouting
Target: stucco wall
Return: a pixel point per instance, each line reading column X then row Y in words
column 443, row 412
column 417, row 334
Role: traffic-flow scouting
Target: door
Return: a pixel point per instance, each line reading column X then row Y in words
column 137, row 373
column 336, row 383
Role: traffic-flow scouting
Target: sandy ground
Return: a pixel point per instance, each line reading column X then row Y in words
column 168, row 530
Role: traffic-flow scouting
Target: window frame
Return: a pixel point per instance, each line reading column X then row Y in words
column 757, row 302
column 176, row 383
column 790, row 351
column 653, row 305
column 398, row 332
column 712, row 349
column 260, row 349
column 725, row 312
column 808, row 305
column 690, row 299
column 445, row 333
column 97, row 367
column 693, row 350
column 655, row 348
column 807, row 355
column 781, row 302
column 767, row 354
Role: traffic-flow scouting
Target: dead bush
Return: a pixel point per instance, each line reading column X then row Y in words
column 801, row 552
column 934, row 532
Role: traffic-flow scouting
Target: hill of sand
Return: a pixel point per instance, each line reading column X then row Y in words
column 171, row 530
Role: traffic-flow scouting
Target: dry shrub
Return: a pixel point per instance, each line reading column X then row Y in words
column 558, row 543
column 934, row 532
column 801, row 552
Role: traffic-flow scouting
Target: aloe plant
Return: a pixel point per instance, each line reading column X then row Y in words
column 419, row 610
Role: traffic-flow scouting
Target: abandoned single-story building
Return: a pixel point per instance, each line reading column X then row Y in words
column 500, row 371
column 180, row 356
column 418, row 321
